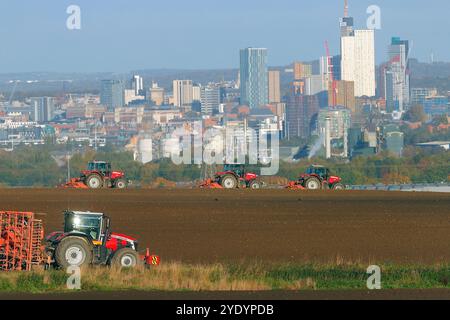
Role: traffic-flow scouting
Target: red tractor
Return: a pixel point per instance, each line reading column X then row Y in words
column 87, row 240
column 317, row 178
column 99, row 175
column 234, row 176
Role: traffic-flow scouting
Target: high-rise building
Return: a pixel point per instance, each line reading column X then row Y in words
column 345, row 95
column 302, row 70
column 301, row 110
column 156, row 94
column 274, row 86
column 112, row 94
column 398, row 68
column 137, row 84
column 253, row 77
column 196, row 92
column 358, row 61
column 347, row 26
column 346, row 23
column 210, row 99
column 42, row 109
column 182, row 94
column 315, row 84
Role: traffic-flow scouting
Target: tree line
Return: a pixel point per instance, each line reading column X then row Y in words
column 35, row 166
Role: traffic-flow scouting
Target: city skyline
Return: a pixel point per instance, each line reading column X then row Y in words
column 39, row 41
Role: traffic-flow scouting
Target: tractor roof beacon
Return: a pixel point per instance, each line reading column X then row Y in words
column 87, row 240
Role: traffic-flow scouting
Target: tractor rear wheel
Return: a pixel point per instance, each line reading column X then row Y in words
column 73, row 251
column 338, row 187
column 120, row 184
column 312, row 184
column 228, row 182
column 255, row 184
column 94, row 181
column 125, row 258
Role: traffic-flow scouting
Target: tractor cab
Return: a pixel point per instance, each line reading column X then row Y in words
column 238, row 169
column 320, row 171
column 94, row 225
column 99, row 166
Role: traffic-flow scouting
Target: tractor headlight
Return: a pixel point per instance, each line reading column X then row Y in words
column 76, row 221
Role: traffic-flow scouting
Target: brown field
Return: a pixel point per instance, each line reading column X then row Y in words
column 205, row 226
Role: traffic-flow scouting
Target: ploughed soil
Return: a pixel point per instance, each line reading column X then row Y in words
column 207, row 226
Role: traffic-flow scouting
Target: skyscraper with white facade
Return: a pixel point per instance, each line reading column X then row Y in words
column 253, row 77
column 137, row 84
column 358, row 61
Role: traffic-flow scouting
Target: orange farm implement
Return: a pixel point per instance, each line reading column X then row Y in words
column 21, row 236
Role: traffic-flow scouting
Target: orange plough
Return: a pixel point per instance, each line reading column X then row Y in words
column 75, row 183
column 210, row 184
column 294, row 185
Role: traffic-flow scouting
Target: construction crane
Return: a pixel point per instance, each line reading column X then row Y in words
column 330, row 71
column 346, row 9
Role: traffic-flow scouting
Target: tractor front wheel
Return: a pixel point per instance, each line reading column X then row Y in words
column 73, row 251
column 312, row 184
column 228, row 182
column 120, row 184
column 94, row 181
column 125, row 258
column 338, row 187
column 255, row 184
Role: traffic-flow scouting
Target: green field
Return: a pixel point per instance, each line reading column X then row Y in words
column 219, row 277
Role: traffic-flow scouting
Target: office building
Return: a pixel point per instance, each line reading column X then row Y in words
column 42, row 109
column 156, row 94
column 182, row 94
column 112, row 94
column 274, row 87
column 345, row 95
column 302, row 70
column 399, row 85
column 196, row 92
column 137, row 84
column 210, row 99
column 254, row 77
column 301, row 112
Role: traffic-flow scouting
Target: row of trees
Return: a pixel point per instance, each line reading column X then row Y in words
column 35, row 166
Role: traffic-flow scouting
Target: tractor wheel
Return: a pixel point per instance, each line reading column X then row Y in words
column 120, row 184
column 73, row 251
column 125, row 258
column 255, row 184
column 94, row 181
column 228, row 182
column 313, row 184
column 338, row 187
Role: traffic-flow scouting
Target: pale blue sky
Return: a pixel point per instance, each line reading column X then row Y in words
column 122, row 35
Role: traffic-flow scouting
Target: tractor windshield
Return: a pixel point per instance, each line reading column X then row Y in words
column 320, row 171
column 87, row 224
column 99, row 166
column 236, row 168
